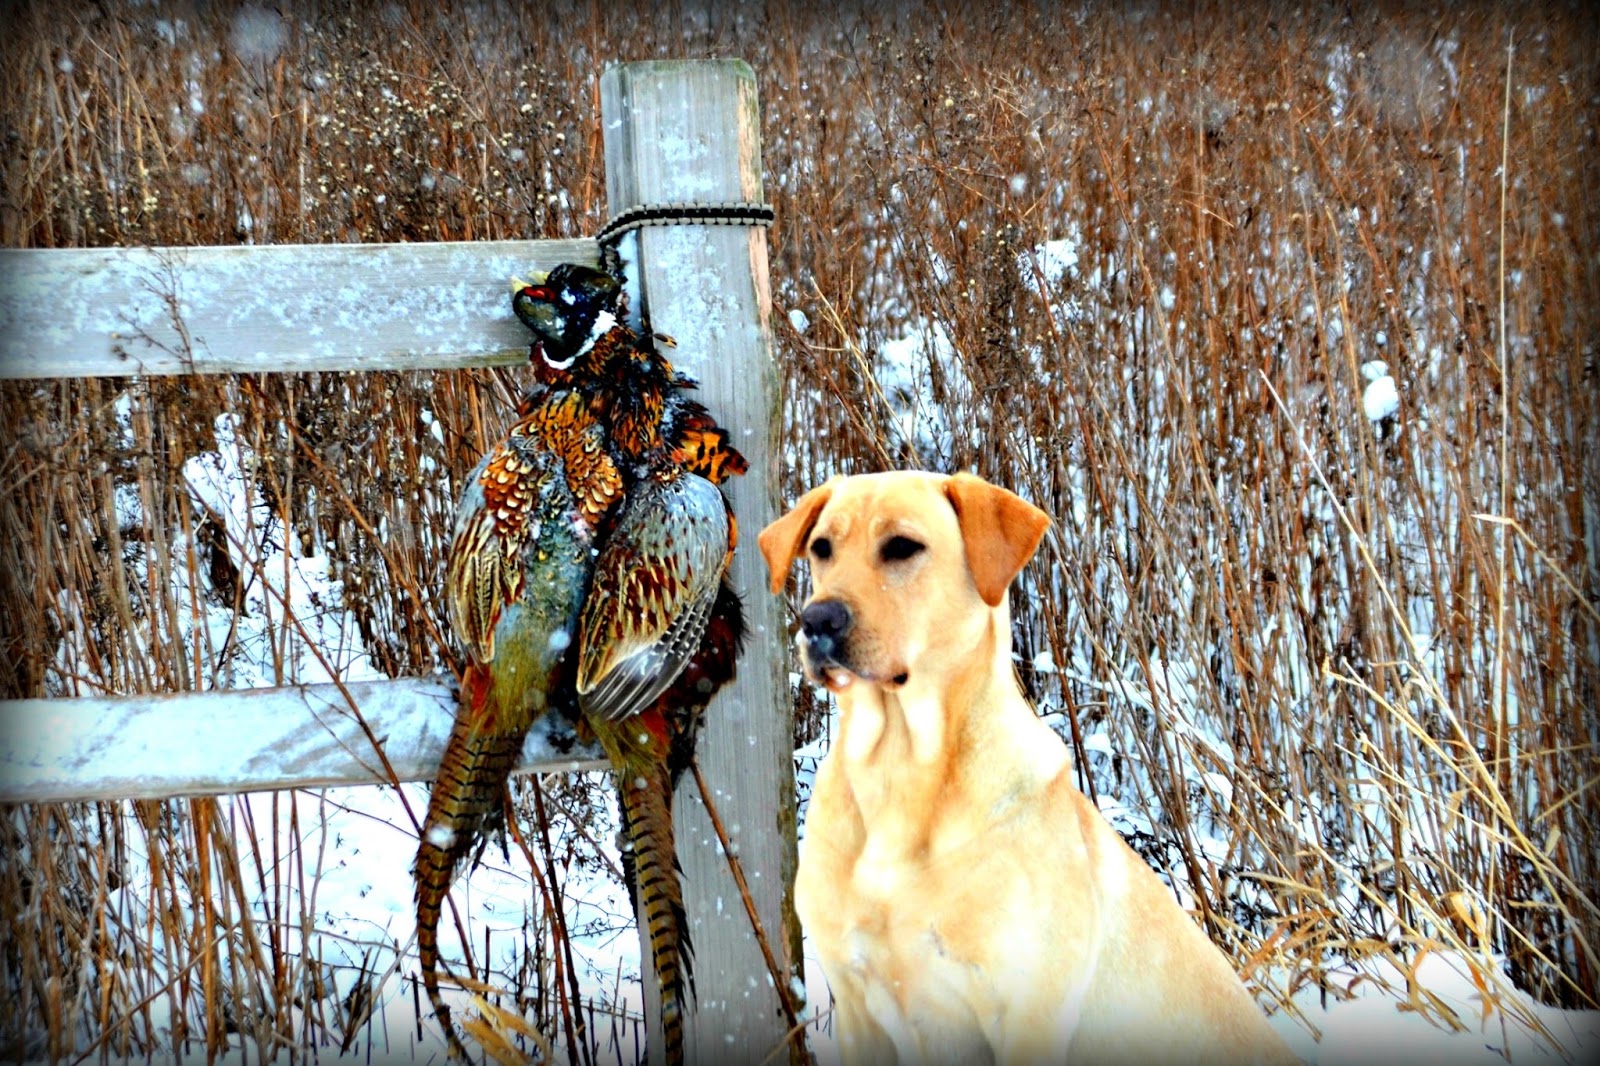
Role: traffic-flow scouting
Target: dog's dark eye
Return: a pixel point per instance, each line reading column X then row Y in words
column 896, row 549
column 822, row 548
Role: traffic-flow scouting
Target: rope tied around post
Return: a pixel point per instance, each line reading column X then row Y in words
column 676, row 213
column 687, row 213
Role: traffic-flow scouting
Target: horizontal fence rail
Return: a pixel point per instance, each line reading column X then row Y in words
column 105, row 312
column 188, row 744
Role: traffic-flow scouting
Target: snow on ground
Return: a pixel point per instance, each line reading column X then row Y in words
column 1375, row 1027
column 362, row 920
column 288, row 586
column 904, row 377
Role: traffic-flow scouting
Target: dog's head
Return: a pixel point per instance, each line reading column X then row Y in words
column 906, row 568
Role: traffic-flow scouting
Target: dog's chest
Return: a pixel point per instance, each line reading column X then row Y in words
column 889, row 916
column 909, row 945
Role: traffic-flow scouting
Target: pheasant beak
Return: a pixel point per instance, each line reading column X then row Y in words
column 517, row 284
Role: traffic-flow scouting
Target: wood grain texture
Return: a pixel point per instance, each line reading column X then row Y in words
column 679, row 131
column 101, row 312
column 186, row 744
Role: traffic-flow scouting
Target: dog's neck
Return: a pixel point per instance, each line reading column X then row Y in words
column 909, row 752
column 886, row 726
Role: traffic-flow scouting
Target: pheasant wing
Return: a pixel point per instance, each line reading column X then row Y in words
column 654, row 586
column 497, row 516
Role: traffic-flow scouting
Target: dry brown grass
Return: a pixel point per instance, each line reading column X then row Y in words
column 1399, row 692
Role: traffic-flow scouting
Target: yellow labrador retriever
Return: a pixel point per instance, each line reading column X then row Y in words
column 969, row 905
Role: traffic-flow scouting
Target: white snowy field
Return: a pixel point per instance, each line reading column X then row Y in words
column 356, row 922
column 356, row 919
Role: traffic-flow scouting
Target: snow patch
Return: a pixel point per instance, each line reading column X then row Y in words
column 1381, row 398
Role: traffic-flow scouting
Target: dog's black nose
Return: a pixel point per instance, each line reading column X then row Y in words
column 824, row 624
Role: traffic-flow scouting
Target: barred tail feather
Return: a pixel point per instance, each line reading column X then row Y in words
column 464, row 804
column 647, row 812
column 433, row 881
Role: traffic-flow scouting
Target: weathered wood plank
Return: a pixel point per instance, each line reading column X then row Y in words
column 110, row 311
column 244, row 740
column 691, row 131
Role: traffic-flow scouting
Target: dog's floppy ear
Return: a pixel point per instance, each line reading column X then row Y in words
column 1000, row 530
column 782, row 540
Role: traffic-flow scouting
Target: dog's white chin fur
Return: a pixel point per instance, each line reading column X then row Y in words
column 836, row 679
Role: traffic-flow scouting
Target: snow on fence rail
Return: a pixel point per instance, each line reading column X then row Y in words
column 187, row 744
column 101, row 312
column 673, row 132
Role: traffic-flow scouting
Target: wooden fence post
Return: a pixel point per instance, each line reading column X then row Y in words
column 690, row 131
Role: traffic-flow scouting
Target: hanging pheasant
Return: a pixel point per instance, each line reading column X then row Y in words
column 587, row 574
column 661, row 629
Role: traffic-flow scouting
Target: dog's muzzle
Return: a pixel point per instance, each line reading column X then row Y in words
column 823, row 628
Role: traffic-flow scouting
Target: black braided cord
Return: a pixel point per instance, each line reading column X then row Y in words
column 691, row 213
column 731, row 213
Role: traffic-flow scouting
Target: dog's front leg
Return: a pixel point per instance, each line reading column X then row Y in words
column 876, row 1026
column 862, row 1041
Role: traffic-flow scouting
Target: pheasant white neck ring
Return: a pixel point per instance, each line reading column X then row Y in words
column 604, row 323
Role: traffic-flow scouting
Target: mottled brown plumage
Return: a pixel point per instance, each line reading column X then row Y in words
column 518, row 569
column 588, row 574
column 660, row 631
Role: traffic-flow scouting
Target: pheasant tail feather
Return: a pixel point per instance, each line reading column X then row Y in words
column 465, row 803
column 647, row 810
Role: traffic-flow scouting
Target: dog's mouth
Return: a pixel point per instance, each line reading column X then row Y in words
column 825, row 665
column 837, row 679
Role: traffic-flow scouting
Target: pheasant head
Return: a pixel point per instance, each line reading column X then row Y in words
column 568, row 310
